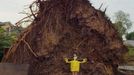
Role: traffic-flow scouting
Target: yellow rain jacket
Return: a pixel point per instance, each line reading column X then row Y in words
column 75, row 64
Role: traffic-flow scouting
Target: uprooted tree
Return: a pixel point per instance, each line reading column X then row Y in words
column 62, row 28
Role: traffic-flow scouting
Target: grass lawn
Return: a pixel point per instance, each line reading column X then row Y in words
column 131, row 51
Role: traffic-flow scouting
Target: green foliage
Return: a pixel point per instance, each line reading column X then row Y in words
column 122, row 22
column 130, row 36
column 6, row 39
column 2, row 30
column 121, row 29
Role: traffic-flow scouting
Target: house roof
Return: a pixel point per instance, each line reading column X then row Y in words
column 5, row 24
column 1, row 23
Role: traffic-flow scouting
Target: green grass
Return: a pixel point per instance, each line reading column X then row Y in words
column 131, row 51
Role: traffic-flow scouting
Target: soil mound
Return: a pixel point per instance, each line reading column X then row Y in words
column 62, row 28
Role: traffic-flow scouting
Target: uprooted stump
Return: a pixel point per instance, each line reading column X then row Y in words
column 62, row 28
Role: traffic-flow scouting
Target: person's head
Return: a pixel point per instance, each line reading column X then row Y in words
column 75, row 57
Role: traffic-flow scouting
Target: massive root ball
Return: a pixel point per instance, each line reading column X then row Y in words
column 62, row 28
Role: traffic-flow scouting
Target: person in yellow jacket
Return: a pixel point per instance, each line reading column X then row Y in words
column 75, row 64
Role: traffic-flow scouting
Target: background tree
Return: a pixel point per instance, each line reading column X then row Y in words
column 6, row 40
column 130, row 36
column 122, row 22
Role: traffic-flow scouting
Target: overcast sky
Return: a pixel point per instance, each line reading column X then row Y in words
column 10, row 9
